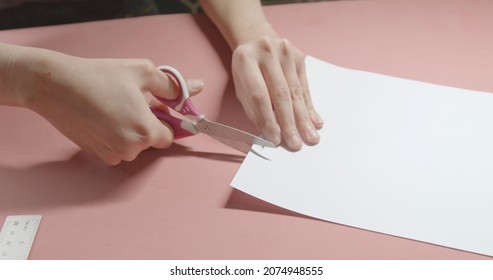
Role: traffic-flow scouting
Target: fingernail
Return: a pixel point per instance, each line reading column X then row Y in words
column 274, row 139
column 196, row 84
column 317, row 120
column 294, row 141
column 313, row 136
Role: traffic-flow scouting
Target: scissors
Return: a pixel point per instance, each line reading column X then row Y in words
column 196, row 121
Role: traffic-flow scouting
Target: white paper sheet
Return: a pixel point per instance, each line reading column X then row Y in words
column 396, row 156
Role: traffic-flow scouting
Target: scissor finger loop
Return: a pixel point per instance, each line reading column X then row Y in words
column 230, row 136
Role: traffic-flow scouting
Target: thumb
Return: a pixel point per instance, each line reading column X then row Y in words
column 162, row 85
column 195, row 86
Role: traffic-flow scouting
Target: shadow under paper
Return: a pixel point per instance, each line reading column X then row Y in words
column 239, row 200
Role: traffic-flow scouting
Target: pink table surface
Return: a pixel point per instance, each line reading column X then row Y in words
column 177, row 203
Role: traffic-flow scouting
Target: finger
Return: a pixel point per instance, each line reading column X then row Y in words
column 152, row 133
column 304, row 124
column 96, row 147
column 162, row 135
column 195, row 86
column 282, row 102
column 314, row 116
column 107, row 155
column 94, row 154
column 112, row 160
column 156, row 104
column 160, row 84
column 253, row 93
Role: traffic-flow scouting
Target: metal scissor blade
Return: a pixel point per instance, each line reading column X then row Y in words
column 226, row 132
column 240, row 146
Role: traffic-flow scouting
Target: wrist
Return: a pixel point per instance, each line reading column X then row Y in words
column 28, row 75
column 8, row 58
column 253, row 32
column 18, row 66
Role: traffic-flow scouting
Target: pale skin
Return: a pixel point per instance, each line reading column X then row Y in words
column 99, row 104
column 268, row 72
column 102, row 105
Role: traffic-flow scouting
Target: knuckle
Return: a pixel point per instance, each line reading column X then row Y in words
column 306, row 92
column 297, row 93
column 127, row 152
column 166, row 143
column 300, row 56
column 107, row 154
column 289, row 128
column 130, row 155
column 122, row 150
column 111, row 160
column 281, row 94
column 146, row 66
column 286, row 43
column 130, row 144
column 144, row 137
column 270, row 125
column 251, row 113
column 266, row 43
column 259, row 97
column 241, row 53
column 305, row 124
column 286, row 47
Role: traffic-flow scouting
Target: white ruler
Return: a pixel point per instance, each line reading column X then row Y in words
column 17, row 236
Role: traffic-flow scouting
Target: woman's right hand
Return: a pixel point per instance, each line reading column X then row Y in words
column 100, row 104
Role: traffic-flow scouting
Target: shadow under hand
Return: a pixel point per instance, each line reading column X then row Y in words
column 82, row 179
column 78, row 180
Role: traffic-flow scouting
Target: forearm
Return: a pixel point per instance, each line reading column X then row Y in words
column 22, row 72
column 26, row 72
column 239, row 21
column 7, row 57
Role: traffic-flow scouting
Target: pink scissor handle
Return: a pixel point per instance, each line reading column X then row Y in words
column 182, row 103
column 180, row 127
